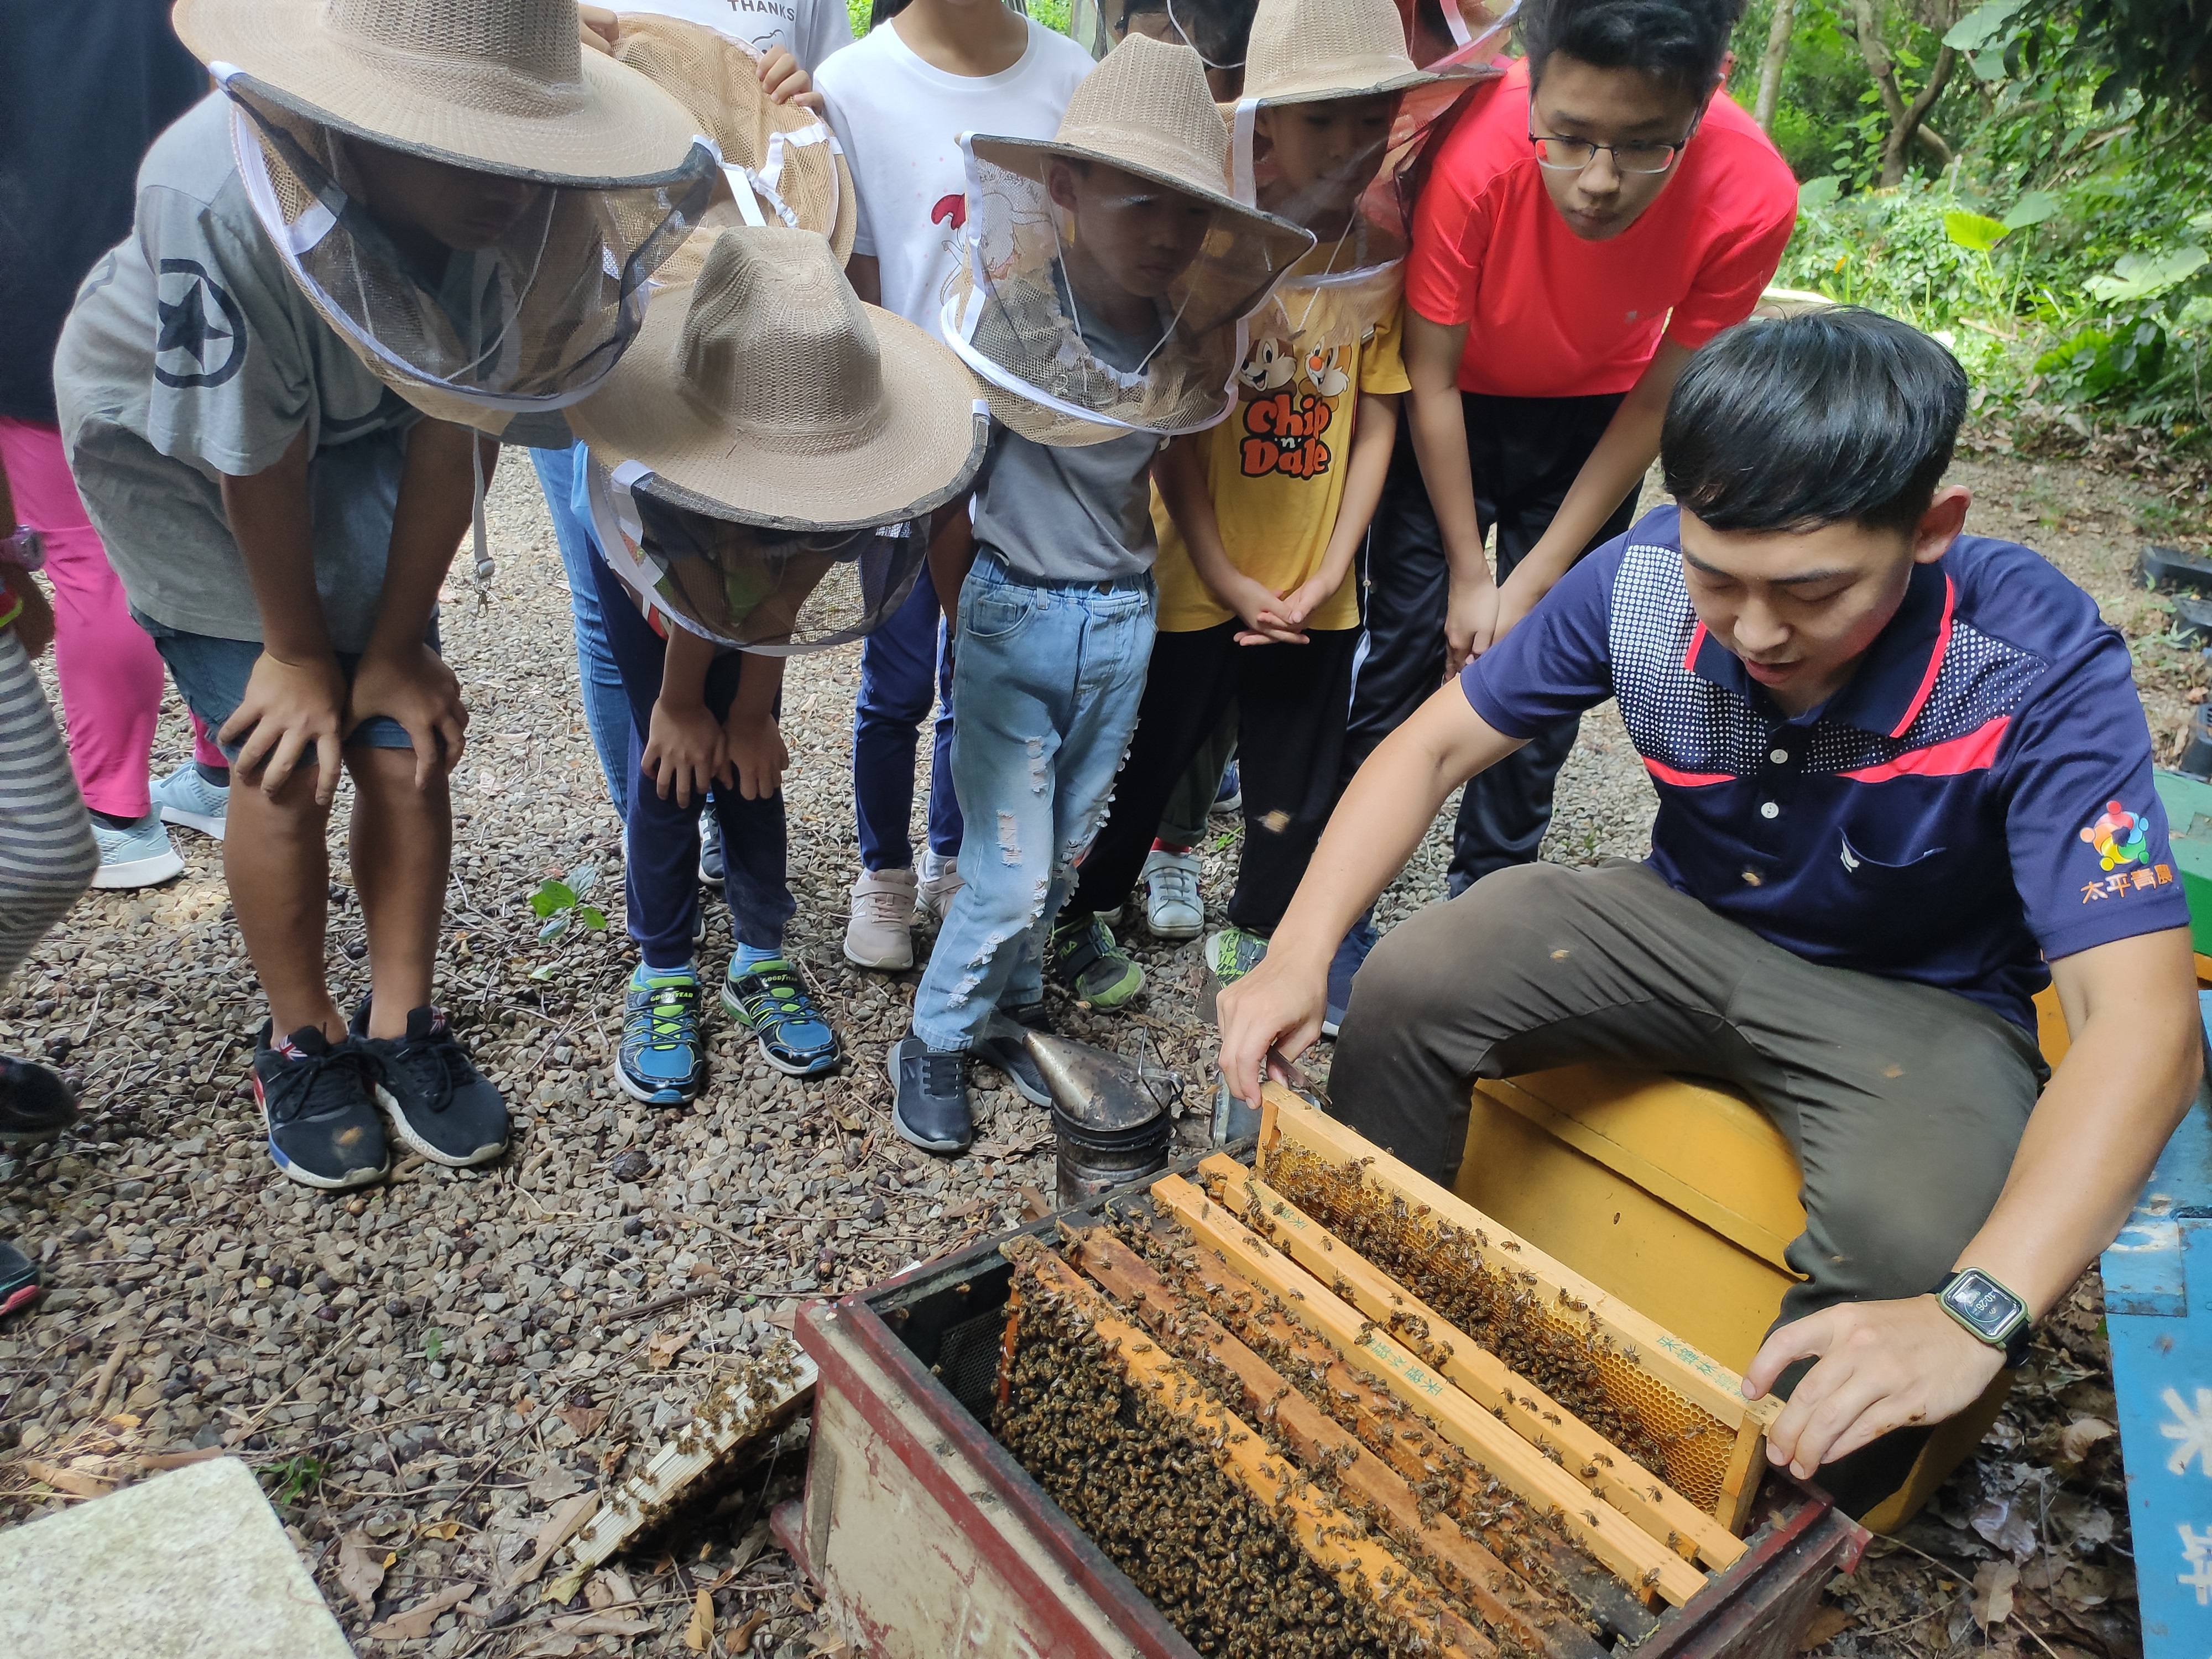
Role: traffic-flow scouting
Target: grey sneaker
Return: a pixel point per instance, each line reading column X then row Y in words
column 186, row 798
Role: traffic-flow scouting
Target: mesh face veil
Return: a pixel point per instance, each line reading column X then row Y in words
column 1107, row 272
column 1334, row 119
column 502, row 334
column 779, row 593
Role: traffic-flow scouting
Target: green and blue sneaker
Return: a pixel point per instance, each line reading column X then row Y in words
column 763, row 994
column 1084, row 958
column 1232, row 953
column 661, row 1060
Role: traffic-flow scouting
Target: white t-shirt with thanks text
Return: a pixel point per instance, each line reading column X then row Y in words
column 810, row 30
column 900, row 121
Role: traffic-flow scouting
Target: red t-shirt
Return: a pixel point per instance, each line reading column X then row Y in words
column 1554, row 316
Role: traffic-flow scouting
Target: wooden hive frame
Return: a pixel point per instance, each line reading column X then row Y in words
column 1623, row 1547
column 1287, row 1121
column 1605, row 1468
column 1486, row 1583
column 1334, row 1541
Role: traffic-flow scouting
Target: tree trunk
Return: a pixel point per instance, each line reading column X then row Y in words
column 1904, row 118
column 1770, row 64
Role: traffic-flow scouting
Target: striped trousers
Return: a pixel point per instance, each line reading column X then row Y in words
column 47, row 854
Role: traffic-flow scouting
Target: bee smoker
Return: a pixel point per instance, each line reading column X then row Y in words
column 1109, row 1116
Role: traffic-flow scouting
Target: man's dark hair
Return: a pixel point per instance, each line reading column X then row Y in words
column 1831, row 416
column 1678, row 43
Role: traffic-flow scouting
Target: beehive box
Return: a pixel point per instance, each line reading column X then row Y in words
column 1145, row 1428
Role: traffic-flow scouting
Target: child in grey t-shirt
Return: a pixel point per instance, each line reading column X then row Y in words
column 282, row 519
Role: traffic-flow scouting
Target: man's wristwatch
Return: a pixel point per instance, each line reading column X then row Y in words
column 1989, row 1312
column 24, row 548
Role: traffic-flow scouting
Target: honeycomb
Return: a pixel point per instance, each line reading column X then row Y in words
column 1217, row 1564
column 1554, row 1342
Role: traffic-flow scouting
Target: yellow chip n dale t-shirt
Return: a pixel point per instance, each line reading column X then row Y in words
column 1274, row 469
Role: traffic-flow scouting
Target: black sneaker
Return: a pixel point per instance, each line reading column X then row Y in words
column 929, row 1097
column 439, row 1103
column 318, row 1103
column 1004, row 1046
column 35, row 1105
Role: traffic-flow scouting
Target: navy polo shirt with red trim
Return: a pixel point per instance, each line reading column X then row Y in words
column 1975, row 802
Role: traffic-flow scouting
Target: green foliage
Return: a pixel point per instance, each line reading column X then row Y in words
column 559, row 903
column 2159, row 50
column 292, row 1481
column 2062, row 254
column 433, row 1345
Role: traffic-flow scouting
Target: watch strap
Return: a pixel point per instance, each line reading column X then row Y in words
column 2015, row 1346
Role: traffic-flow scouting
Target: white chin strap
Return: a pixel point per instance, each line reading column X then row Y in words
column 751, row 189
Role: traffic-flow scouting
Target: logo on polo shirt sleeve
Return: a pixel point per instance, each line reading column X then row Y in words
column 2117, row 837
column 2120, row 839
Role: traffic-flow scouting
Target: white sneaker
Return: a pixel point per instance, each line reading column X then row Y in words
column 940, row 880
column 139, row 854
column 1173, row 908
column 881, row 933
column 186, row 797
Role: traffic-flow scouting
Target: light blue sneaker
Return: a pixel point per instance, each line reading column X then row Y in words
column 139, row 855
column 186, row 797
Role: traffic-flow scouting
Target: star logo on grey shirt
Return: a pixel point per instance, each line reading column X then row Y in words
column 203, row 338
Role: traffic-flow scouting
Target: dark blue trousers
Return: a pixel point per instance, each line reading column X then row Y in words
column 662, row 861
column 901, row 667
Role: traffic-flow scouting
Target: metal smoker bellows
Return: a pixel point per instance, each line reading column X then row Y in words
column 1109, row 1116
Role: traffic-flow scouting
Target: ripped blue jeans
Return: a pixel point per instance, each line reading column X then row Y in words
column 1046, row 678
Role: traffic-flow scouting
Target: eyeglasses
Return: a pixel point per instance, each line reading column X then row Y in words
column 1573, row 155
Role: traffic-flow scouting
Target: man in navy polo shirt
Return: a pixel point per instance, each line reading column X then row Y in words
column 1903, row 781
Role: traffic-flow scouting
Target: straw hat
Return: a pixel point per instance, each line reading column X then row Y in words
column 501, row 85
column 770, row 394
column 1305, row 51
column 1146, row 109
column 789, row 148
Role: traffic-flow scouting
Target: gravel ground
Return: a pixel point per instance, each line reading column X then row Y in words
column 427, row 1369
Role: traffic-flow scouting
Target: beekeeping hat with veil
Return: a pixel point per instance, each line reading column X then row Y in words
column 765, row 459
column 1329, row 53
column 1016, row 315
column 467, row 195
column 783, row 163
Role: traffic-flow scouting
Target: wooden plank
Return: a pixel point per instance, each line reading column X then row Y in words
column 1624, row 1548
column 1493, row 1589
column 1380, row 1422
column 740, row 1409
column 1334, row 1541
column 1697, row 1377
column 1585, row 1454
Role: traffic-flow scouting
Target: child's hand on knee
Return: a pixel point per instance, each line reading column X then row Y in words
column 290, row 711
column 413, row 686
column 755, row 748
column 684, row 751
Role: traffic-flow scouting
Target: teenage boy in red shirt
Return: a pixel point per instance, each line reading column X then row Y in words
column 1601, row 213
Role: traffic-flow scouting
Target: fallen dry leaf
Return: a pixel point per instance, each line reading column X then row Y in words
column 660, row 1352
column 416, row 1622
column 559, row 1527
column 749, row 1547
column 78, row 1483
column 2007, row 1526
column 700, row 1631
column 446, row 1530
column 152, row 1463
column 1827, row 1624
column 602, row 1624
column 583, row 1421
column 1994, row 1584
column 2076, row 1439
column 360, row 1568
column 555, row 1485
column 742, row 1637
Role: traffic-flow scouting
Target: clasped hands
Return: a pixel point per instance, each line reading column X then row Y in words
column 688, row 749
column 300, row 708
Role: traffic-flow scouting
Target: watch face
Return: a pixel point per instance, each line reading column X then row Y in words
column 1984, row 1304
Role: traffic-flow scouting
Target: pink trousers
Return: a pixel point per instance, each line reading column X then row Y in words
column 110, row 673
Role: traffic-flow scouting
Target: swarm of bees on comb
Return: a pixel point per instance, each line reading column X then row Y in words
column 1304, row 1419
